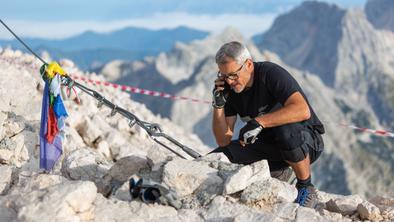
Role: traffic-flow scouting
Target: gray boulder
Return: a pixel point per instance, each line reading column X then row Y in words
column 269, row 191
column 369, row 211
column 346, row 205
column 185, row 176
column 70, row 201
column 246, row 176
column 5, row 178
column 86, row 164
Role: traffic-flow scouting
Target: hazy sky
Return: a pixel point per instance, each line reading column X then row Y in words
column 60, row 19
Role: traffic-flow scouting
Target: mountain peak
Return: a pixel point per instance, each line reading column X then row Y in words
column 381, row 13
column 304, row 38
column 318, row 5
column 229, row 34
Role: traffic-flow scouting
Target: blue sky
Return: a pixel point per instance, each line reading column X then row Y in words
column 59, row 19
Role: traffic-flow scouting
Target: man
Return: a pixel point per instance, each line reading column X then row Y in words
column 280, row 124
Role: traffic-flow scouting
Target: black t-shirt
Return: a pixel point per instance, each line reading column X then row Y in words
column 272, row 86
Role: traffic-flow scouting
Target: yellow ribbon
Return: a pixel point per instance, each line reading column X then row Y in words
column 53, row 69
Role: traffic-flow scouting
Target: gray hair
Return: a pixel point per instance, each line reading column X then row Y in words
column 232, row 50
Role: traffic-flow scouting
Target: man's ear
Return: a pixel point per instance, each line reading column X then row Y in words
column 249, row 64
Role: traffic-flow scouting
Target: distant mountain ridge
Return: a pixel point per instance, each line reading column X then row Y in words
column 93, row 49
column 381, row 13
column 304, row 38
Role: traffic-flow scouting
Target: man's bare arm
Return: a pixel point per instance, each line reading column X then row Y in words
column 223, row 127
column 295, row 109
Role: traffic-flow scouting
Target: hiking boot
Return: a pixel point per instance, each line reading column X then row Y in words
column 285, row 174
column 307, row 197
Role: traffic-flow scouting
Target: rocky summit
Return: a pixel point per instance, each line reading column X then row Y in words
column 101, row 153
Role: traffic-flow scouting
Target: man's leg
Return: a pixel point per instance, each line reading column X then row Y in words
column 296, row 142
column 302, row 169
column 251, row 153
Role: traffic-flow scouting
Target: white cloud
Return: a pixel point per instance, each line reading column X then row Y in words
column 245, row 23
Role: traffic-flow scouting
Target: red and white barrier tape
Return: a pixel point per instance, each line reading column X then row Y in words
column 173, row 97
column 139, row 90
column 372, row 131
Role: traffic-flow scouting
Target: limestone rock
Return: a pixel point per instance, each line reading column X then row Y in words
column 13, row 124
column 127, row 166
column 116, row 142
column 214, row 157
column 246, row 176
column 89, row 132
column 107, row 210
column 269, row 191
column 112, row 210
column 385, row 205
column 128, row 149
column 382, row 201
column 332, row 216
column 5, row 178
column 21, row 154
column 183, row 215
column 247, row 216
column 6, row 155
column 73, row 140
column 29, row 181
column 369, row 211
column 6, row 211
column 3, row 117
column 286, row 211
column 308, row 214
column 222, row 210
column 85, row 164
column 13, row 150
column 186, row 176
column 155, row 158
column 345, row 205
column 67, row 201
column 325, row 197
column 103, row 149
column 122, row 193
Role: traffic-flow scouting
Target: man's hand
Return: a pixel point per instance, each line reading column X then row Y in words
column 248, row 133
column 220, row 94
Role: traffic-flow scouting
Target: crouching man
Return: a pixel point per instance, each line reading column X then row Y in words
column 280, row 125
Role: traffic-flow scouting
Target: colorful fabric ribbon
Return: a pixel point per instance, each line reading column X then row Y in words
column 53, row 114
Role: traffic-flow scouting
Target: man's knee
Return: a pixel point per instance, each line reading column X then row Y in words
column 293, row 139
column 286, row 131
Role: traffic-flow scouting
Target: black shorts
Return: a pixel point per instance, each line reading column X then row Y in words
column 290, row 142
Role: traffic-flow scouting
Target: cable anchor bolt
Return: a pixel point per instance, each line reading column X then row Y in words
column 113, row 111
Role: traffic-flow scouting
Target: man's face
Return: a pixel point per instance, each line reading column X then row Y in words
column 235, row 75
